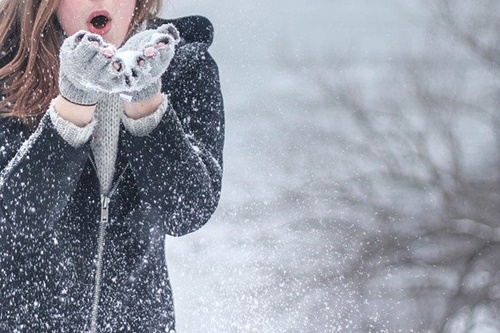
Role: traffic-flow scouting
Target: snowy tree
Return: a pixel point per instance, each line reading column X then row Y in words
column 417, row 177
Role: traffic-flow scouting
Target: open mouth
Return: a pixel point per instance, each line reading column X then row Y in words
column 99, row 22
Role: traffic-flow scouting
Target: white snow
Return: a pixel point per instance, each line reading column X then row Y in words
column 264, row 262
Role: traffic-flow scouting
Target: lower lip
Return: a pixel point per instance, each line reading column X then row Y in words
column 100, row 31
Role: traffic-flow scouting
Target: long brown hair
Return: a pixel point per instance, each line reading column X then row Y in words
column 30, row 38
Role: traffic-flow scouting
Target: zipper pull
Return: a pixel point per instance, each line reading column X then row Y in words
column 104, row 209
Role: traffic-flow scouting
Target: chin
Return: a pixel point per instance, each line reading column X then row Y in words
column 115, row 40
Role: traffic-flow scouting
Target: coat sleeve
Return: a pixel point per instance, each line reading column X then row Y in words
column 38, row 173
column 178, row 166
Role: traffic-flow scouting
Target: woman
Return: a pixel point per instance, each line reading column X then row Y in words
column 111, row 136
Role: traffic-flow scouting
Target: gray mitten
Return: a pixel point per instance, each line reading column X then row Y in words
column 89, row 69
column 146, row 56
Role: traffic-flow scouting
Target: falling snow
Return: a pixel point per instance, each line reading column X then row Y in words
column 360, row 189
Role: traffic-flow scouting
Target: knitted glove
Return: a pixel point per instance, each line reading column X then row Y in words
column 89, row 69
column 146, row 56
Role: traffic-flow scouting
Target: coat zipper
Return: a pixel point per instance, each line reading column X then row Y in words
column 101, row 242
column 100, row 251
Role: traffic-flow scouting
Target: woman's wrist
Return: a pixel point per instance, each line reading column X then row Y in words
column 137, row 110
column 80, row 115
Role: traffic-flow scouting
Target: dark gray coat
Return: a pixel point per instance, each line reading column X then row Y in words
column 168, row 182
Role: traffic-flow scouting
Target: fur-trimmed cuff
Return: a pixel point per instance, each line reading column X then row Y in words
column 145, row 125
column 74, row 135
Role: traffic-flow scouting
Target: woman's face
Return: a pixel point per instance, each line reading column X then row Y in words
column 108, row 18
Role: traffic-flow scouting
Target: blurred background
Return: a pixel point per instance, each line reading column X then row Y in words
column 362, row 179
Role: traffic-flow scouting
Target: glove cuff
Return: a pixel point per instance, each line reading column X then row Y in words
column 77, row 96
column 146, row 93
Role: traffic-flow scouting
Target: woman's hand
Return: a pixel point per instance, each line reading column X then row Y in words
column 89, row 69
column 146, row 56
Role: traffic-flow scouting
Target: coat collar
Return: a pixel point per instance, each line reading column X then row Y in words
column 193, row 29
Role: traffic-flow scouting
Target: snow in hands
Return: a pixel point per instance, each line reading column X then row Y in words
column 145, row 57
column 90, row 65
